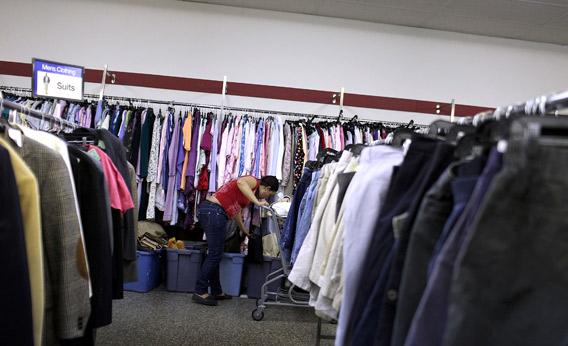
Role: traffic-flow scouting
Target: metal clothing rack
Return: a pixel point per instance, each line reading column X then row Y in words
column 148, row 102
column 32, row 112
column 542, row 105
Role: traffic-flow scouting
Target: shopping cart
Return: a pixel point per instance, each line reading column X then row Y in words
column 287, row 294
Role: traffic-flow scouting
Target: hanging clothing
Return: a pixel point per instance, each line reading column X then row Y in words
column 152, row 177
column 17, row 325
column 94, row 203
column 171, row 196
column 120, row 197
column 28, row 195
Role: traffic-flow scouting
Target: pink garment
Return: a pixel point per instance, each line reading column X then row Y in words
column 120, row 197
column 265, row 147
column 328, row 143
column 232, row 151
column 338, row 141
column 262, row 161
column 237, row 149
column 269, row 152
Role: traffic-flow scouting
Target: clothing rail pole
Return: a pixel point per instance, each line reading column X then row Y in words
column 544, row 104
column 236, row 109
column 453, row 112
column 223, row 93
column 103, row 83
column 557, row 102
column 36, row 114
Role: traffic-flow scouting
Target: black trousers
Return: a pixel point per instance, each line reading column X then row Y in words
column 511, row 281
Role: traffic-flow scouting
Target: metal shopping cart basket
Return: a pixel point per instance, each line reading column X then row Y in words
column 287, row 294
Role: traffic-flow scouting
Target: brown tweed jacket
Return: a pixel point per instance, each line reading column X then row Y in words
column 67, row 292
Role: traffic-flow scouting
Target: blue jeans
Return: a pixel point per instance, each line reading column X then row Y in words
column 289, row 229
column 213, row 220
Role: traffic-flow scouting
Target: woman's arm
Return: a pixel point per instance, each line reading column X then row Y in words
column 239, row 219
column 246, row 184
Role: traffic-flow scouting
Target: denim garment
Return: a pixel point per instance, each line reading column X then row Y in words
column 213, row 220
column 258, row 145
column 289, row 230
column 304, row 221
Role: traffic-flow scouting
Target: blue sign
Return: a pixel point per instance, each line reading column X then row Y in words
column 56, row 80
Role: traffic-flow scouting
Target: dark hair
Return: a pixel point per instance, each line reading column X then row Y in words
column 271, row 182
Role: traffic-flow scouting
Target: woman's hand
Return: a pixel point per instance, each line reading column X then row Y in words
column 263, row 203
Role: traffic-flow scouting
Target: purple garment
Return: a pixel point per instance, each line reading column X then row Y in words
column 180, row 154
column 172, row 165
column 179, row 169
column 194, row 151
column 165, row 161
column 214, row 153
column 89, row 117
column 429, row 322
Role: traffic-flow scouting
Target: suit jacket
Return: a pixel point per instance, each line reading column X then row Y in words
column 131, row 267
column 29, row 204
column 124, row 233
column 97, row 225
column 16, row 326
column 67, row 292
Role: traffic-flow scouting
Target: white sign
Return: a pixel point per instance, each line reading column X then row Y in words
column 55, row 80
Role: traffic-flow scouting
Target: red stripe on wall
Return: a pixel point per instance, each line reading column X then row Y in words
column 259, row 90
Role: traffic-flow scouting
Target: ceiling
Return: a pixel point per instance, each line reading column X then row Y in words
column 529, row 20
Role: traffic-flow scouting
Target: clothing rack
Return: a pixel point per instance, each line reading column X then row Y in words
column 92, row 97
column 31, row 112
column 542, row 105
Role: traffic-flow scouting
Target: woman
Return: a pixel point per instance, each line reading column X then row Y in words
column 213, row 215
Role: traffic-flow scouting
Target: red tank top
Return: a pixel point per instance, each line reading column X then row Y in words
column 231, row 198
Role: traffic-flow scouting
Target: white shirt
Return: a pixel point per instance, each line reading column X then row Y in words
column 368, row 187
column 279, row 163
column 309, row 253
column 331, row 271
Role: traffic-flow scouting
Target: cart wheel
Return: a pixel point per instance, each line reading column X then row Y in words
column 257, row 315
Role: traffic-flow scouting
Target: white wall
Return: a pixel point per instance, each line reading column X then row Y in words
column 252, row 46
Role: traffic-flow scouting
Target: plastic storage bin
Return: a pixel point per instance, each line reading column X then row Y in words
column 256, row 276
column 231, row 272
column 184, row 267
column 149, row 272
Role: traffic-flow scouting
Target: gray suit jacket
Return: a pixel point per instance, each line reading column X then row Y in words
column 67, row 293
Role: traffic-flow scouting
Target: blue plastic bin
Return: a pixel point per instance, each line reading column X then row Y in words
column 256, row 276
column 231, row 272
column 149, row 272
column 184, row 267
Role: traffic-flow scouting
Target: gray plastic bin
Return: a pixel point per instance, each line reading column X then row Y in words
column 184, row 267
